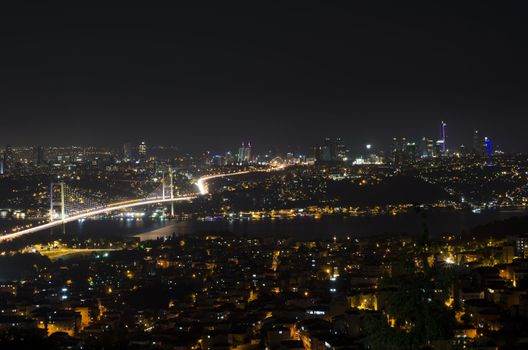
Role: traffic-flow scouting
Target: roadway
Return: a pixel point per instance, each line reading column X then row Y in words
column 95, row 212
column 201, row 183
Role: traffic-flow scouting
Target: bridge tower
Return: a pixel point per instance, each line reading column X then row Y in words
column 171, row 191
column 163, row 186
column 61, row 201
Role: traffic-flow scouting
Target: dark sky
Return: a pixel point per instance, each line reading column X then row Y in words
column 207, row 75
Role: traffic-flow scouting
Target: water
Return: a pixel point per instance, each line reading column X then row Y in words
column 439, row 221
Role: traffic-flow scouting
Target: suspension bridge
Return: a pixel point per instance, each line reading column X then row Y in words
column 68, row 204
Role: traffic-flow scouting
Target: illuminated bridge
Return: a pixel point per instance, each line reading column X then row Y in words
column 73, row 210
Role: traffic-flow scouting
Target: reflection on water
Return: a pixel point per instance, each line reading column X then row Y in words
column 438, row 222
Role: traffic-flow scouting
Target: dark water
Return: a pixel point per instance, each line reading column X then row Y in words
column 439, row 222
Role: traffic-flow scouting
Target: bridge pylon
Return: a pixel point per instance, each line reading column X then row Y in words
column 171, row 191
column 60, row 203
column 163, row 186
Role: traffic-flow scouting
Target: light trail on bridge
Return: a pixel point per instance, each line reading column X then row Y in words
column 201, row 183
column 110, row 207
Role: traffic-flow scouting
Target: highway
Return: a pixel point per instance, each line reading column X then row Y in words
column 95, row 212
column 201, row 183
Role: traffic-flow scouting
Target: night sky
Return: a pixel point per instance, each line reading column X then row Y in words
column 276, row 73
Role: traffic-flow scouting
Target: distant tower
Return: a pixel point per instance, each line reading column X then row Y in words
column 487, row 146
column 247, row 153
column 341, row 152
column 241, row 151
column 443, row 136
column 127, row 151
column 332, row 150
column 427, row 148
column 476, row 143
column 142, row 150
column 244, row 153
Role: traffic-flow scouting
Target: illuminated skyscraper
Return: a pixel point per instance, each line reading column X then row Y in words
column 477, row 144
column 443, row 137
column 487, row 146
column 332, row 150
column 247, row 153
column 244, row 153
column 127, row 151
column 397, row 150
column 341, row 152
column 410, row 152
column 142, row 150
column 427, row 147
column 240, row 155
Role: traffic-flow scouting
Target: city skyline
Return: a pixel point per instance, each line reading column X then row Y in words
column 445, row 143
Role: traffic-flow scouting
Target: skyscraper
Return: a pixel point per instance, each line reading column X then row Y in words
column 247, row 153
column 244, row 153
column 442, row 142
column 38, row 156
column 397, row 150
column 340, row 149
column 127, row 151
column 142, row 150
column 332, row 150
column 487, row 146
column 476, row 143
column 410, row 152
column 427, row 148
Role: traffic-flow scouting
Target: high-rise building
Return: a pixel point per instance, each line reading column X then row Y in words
column 443, row 137
column 410, row 152
column 397, row 150
column 477, row 143
column 427, row 148
column 229, row 158
column 341, row 150
column 487, row 146
column 38, row 156
column 247, row 154
column 142, row 150
column 240, row 154
column 437, row 150
column 128, row 151
column 481, row 145
column 244, row 153
column 521, row 246
column 332, row 150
